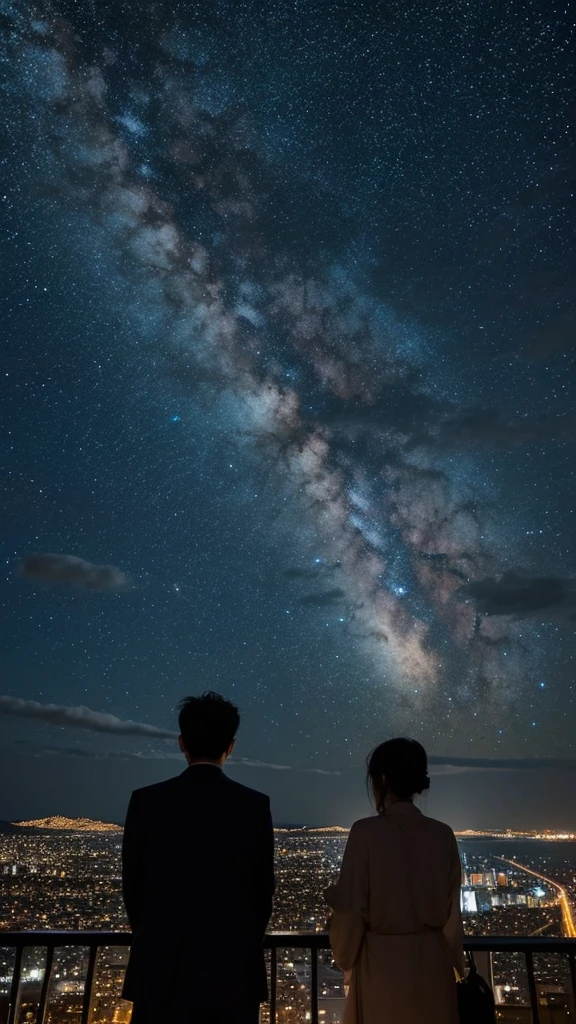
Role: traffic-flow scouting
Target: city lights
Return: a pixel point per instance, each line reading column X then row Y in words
column 66, row 875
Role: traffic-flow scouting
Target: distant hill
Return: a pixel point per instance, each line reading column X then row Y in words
column 58, row 824
column 313, row 829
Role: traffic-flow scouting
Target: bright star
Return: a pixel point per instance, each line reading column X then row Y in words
column 176, row 418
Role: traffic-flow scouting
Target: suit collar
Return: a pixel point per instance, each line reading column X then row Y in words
column 205, row 764
column 203, row 773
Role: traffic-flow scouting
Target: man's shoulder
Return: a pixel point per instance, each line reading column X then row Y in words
column 246, row 793
column 174, row 787
column 157, row 790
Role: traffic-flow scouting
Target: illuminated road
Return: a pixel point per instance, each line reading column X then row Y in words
column 567, row 919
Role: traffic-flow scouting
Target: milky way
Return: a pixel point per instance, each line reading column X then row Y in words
column 374, row 327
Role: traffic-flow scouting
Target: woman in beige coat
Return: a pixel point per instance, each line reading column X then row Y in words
column 396, row 929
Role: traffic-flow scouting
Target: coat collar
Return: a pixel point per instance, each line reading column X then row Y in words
column 402, row 807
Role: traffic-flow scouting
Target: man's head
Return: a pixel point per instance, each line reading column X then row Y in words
column 208, row 725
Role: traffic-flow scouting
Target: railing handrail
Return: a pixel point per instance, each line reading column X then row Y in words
column 279, row 940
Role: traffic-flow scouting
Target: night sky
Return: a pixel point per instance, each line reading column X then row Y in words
column 288, row 384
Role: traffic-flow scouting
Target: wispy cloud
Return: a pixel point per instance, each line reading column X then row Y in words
column 80, row 717
column 69, row 569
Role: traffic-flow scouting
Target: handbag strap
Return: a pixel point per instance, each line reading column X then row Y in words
column 471, row 961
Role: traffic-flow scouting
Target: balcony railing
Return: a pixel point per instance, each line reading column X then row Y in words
column 51, row 941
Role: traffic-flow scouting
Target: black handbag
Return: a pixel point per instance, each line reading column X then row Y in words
column 475, row 998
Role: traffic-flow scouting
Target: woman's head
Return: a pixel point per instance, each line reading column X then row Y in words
column 398, row 769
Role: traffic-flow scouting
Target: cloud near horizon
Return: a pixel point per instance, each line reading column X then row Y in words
column 453, row 765
column 438, row 764
column 36, row 750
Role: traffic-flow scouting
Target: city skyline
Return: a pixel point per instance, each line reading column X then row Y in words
column 60, row 880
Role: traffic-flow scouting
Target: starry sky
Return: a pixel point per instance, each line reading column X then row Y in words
column 288, row 397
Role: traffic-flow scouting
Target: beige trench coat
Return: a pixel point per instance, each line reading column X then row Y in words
column 396, row 919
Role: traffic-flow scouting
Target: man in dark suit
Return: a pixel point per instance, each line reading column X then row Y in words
column 198, row 879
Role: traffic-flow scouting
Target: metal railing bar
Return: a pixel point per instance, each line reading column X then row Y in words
column 532, row 987
column 88, row 984
column 314, row 985
column 277, row 940
column 15, row 986
column 273, row 983
column 45, row 985
column 572, row 962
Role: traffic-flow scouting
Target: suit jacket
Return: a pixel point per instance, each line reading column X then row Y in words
column 198, row 880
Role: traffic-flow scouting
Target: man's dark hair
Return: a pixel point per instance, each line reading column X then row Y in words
column 208, row 724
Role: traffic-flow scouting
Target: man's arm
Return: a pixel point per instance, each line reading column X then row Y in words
column 132, row 864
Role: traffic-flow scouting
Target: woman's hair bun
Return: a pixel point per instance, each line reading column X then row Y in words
column 403, row 763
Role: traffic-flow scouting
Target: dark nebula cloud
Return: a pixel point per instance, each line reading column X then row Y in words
column 517, row 593
column 296, row 573
column 302, row 574
column 492, row 429
column 322, row 598
column 74, row 571
column 423, row 421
